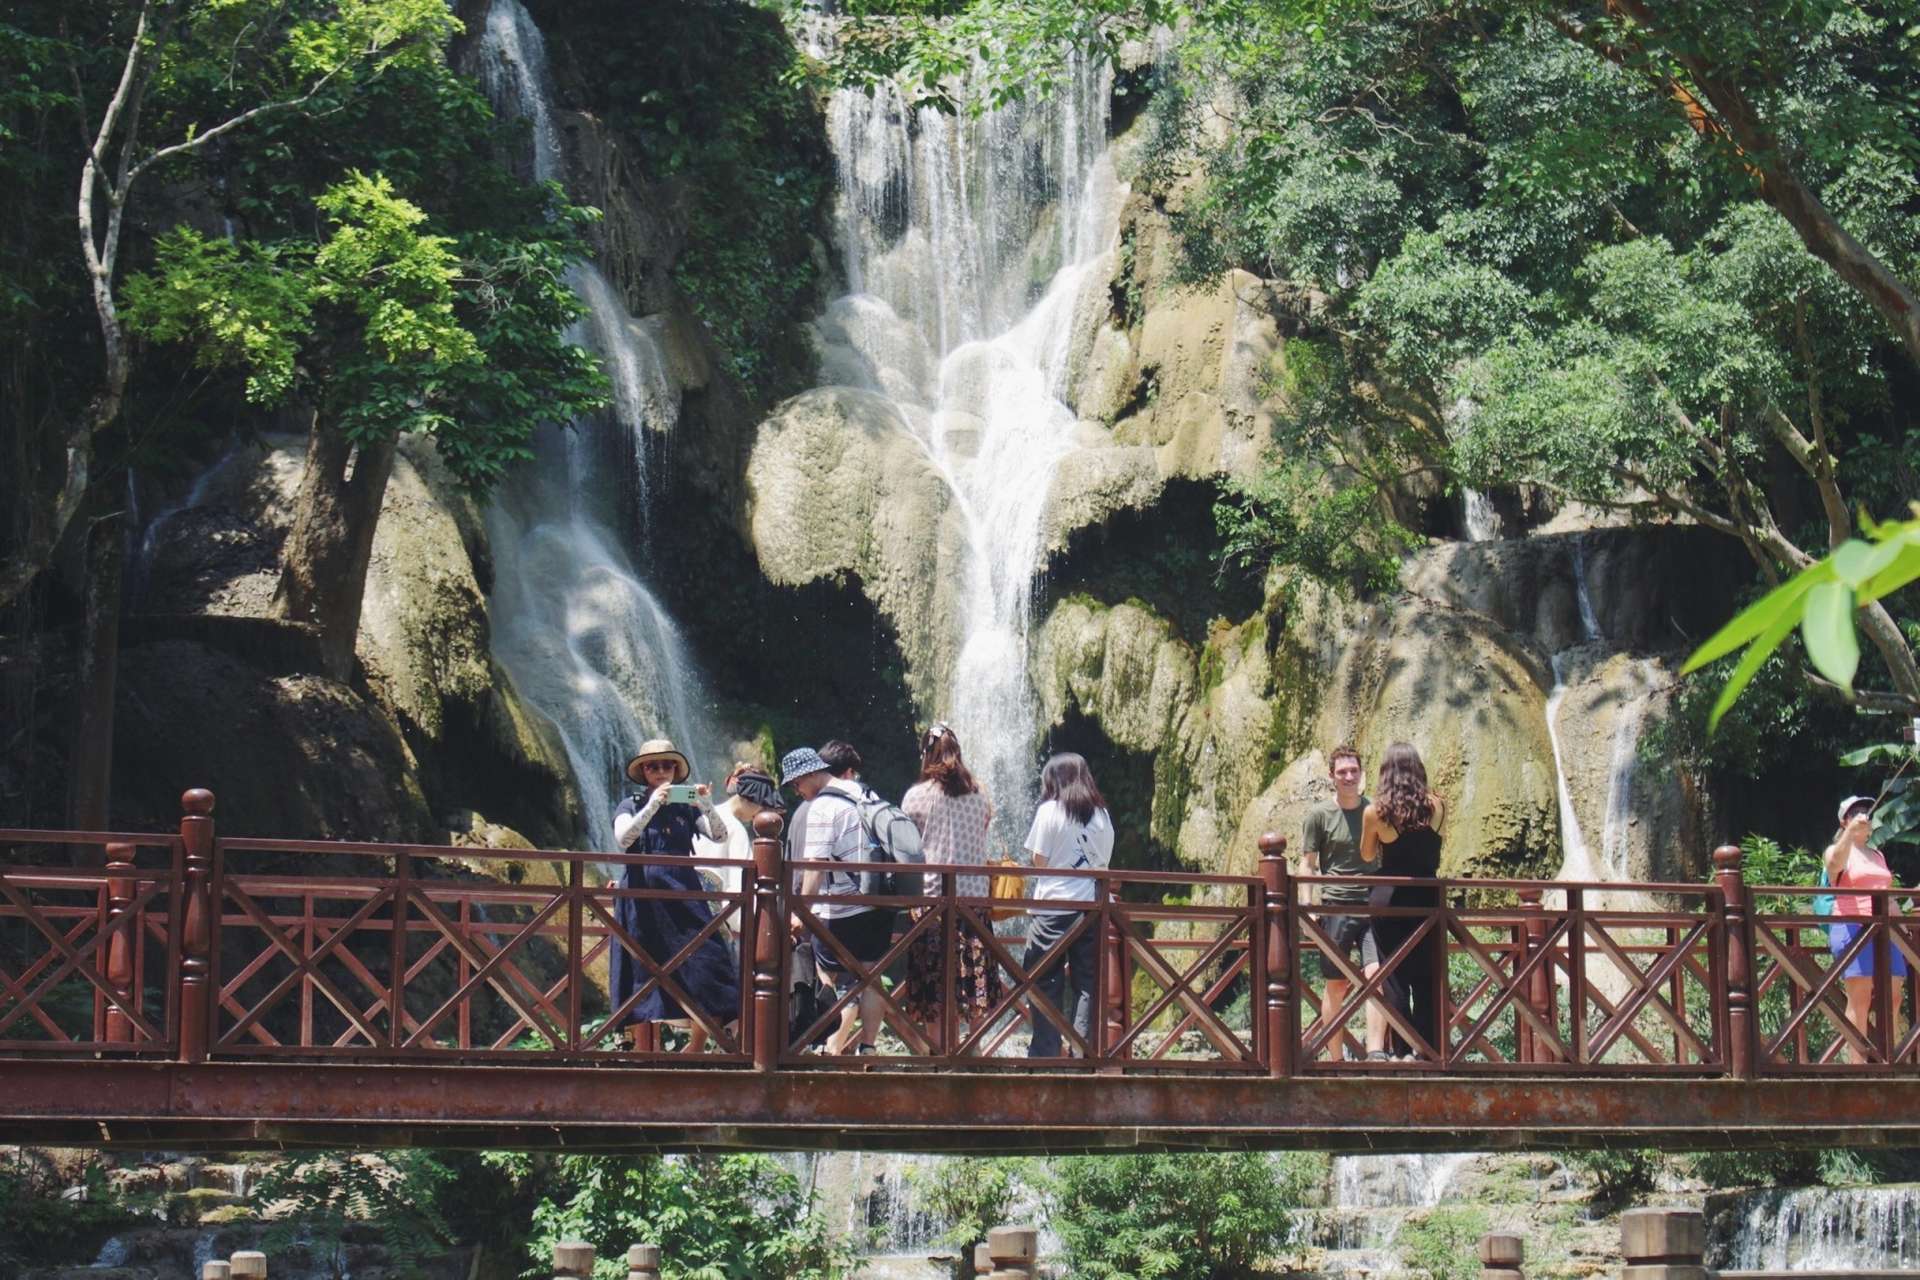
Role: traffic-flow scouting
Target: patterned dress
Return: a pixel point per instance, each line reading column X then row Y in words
column 953, row 829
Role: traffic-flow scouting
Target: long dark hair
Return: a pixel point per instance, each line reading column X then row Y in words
column 1067, row 779
column 940, row 762
column 1403, row 799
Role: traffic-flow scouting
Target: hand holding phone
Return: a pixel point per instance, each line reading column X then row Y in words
column 683, row 793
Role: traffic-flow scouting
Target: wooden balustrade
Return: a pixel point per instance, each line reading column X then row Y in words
column 231, row 952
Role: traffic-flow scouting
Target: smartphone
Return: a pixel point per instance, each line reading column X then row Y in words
column 683, row 793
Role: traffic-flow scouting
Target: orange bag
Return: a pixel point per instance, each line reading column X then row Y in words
column 1006, row 887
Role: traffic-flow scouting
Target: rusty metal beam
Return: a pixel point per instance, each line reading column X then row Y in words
column 276, row 1104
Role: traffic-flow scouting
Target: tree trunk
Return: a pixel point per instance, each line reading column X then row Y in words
column 90, row 763
column 323, row 568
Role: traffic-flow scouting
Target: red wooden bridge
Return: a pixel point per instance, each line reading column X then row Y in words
column 197, row 990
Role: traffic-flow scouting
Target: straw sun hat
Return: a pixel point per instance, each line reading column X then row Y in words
column 658, row 749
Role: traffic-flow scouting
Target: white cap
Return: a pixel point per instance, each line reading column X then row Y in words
column 1851, row 801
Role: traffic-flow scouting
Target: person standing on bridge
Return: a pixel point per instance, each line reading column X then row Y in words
column 648, row 824
column 1400, row 835
column 1072, row 830
column 1331, row 847
column 953, row 812
column 1852, row 863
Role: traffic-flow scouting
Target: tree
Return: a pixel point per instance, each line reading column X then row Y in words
column 254, row 60
column 380, row 326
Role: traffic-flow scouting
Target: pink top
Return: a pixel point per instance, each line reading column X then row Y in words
column 1866, row 869
column 952, row 829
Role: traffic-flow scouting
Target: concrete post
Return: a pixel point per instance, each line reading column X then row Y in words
column 1501, row 1255
column 216, row 1271
column 248, row 1265
column 982, row 1260
column 1015, row 1252
column 572, row 1260
column 1663, row 1244
column 643, row 1262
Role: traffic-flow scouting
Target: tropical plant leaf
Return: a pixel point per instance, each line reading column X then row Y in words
column 1759, row 617
column 1757, row 653
column 1827, row 628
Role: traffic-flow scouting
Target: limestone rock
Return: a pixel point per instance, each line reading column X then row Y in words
column 840, row 488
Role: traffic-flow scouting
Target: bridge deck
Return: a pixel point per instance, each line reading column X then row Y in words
column 192, row 990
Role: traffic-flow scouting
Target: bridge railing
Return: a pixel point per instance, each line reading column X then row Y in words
column 193, row 946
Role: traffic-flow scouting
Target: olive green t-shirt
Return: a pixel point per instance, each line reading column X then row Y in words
column 1334, row 834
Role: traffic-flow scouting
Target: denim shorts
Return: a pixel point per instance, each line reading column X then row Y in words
column 1840, row 936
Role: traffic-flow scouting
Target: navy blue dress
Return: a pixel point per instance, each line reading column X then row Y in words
column 663, row 926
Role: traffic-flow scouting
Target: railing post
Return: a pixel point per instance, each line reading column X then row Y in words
column 1883, row 1038
column 1540, row 987
column 1116, row 992
column 1015, row 1252
column 121, row 938
column 1737, row 929
column 643, row 1262
column 769, row 1031
column 572, row 1260
column 1281, row 1011
column 216, row 1271
column 1501, row 1256
column 1664, row 1244
column 196, row 937
column 248, row 1265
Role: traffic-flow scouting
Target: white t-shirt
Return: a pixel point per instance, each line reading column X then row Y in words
column 738, row 846
column 834, row 834
column 1061, row 842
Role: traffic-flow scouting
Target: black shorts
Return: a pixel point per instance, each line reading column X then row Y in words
column 866, row 936
column 1347, row 932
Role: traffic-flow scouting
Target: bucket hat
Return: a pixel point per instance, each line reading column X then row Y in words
column 1851, row 801
column 800, row 762
column 658, row 749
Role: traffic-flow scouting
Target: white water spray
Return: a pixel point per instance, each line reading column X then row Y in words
column 969, row 243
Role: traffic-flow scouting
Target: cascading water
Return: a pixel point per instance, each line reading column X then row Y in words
column 1576, row 859
column 574, row 623
column 968, row 243
column 1826, row 1229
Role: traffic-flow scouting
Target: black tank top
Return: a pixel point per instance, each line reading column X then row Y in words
column 1415, row 853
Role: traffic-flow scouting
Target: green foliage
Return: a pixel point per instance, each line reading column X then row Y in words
column 1617, row 1174
column 1181, row 1217
column 1896, row 817
column 715, row 1217
column 710, row 99
column 1444, row 1242
column 39, row 1226
column 1821, row 601
column 403, row 1194
column 1766, row 862
column 970, row 1195
column 1289, row 515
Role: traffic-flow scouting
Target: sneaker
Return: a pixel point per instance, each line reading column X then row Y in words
column 1379, row 1055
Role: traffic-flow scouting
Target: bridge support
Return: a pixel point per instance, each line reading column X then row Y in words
column 1664, row 1244
column 1014, row 1251
column 248, row 1265
column 643, row 1262
column 216, row 1271
column 1501, row 1256
column 572, row 1260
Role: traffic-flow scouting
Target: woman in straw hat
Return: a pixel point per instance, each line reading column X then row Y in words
column 646, row 823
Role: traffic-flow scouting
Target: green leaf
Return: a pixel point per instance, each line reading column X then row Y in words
column 1902, row 568
column 1827, row 628
column 1757, row 653
column 1759, row 617
column 1855, row 562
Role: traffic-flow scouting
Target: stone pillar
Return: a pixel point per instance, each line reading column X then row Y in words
column 572, row 1260
column 216, row 1271
column 643, row 1262
column 1664, row 1244
column 1281, row 1012
column 248, row 1265
column 1501, row 1255
column 1015, row 1252
column 769, row 1012
column 982, row 1260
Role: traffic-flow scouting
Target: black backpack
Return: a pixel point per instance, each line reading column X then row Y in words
column 889, row 835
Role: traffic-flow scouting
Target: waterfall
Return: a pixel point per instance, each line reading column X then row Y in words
column 584, row 639
column 1826, row 1229
column 1482, row 517
column 968, row 243
column 1576, row 859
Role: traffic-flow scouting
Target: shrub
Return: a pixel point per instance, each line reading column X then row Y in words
column 1444, row 1243
column 1177, row 1217
column 1617, row 1174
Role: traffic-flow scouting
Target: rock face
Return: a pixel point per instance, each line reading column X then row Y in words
column 431, row 726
